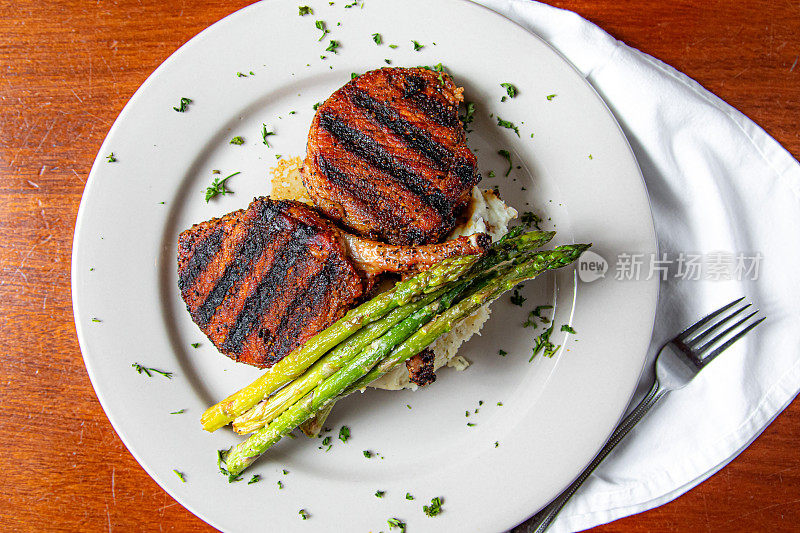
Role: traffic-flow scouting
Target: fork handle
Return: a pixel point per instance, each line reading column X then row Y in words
column 542, row 520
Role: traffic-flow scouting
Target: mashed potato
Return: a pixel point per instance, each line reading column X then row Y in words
column 486, row 213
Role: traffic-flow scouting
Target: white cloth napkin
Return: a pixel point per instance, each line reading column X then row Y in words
column 717, row 182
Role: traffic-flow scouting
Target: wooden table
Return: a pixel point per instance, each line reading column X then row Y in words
column 66, row 70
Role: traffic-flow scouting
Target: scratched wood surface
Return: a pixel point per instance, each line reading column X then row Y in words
column 66, row 70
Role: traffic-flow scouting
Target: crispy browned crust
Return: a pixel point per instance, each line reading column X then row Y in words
column 420, row 368
column 261, row 281
column 387, row 156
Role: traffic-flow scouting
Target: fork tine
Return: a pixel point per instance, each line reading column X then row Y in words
column 683, row 335
column 711, row 356
column 695, row 341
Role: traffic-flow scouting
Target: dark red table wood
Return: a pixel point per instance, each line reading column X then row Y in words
column 66, row 70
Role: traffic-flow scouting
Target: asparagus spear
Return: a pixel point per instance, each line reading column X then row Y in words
column 368, row 365
column 301, row 358
column 511, row 245
column 324, row 367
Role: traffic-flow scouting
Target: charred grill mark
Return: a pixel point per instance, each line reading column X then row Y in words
column 368, row 149
column 241, row 262
column 466, row 172
column 304, row 308
column 267, row 290
column 413, row 85
column 441, row 113
column 203, row 253
column 415, row 137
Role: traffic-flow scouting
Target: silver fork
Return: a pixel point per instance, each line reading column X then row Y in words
column 677, row 363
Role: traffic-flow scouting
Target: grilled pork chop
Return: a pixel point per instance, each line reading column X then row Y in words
column 387, row 157
column 261, row 281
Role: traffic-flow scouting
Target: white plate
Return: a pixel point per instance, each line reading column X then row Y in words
column 556, row 412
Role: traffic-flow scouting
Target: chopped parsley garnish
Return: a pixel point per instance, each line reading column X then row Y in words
column 183, row 105
column 470, row 424
column 238, row 140
column 409, row 496
column 353, row 75
column 332, row 47
column 397, row 523
column 510, row 89
column 280, row 484
column 284, row 471
column 265, row 133
column 508, row 125
column 379, row 493
column 195, row 345
column 551, row 96
column 223, row 470
column 95, row 319
column 218, row 187
column 327, row 442
column 180, row 475
column 111, row 158
column 392, row 46
column 377, row 38
column 344, row 433
column 241, row 75
column 320, row 24
column 491, row 174
column 530, row 219
column 367, row 454
column 537, row 313
column 517, row 298
column 303, row 514
column 434, row 508
column 354, row 4
column 305, row 10
column 499, row 404
column 568, row 329
column 146, row 370
column 315, row 106
column 542, row 344
column 255, row 479
column 590, row 156
column 417, row 46
column 178, row 412
column 496, row 444
column 469, row 114
column 502, row 352
column 387, row 61
column 507, row 156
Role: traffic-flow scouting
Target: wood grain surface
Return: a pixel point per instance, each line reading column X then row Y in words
column 67, row 68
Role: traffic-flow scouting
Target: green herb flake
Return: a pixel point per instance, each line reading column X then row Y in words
column 496, row 444
column 379, row 493
column 146, row 370
column 590, row 156
column 507, row 156
column 332, row 46
column 181, row 411
column 252, row 73
column 284, row 471
column 537, row 313
column 508, row 125
column 183, row 106
column 303, row 514
column 530, row 219
column 280, row 484
column 434, row 508
column 95, row 319
column 550, row 96
column 510, row 89
column 491, row 174
column 469, row 114
column 367, row 454
column 407, row 405
column 353, row 75
column 409, row 496
column 305, row 10
column 255, row 479
column 111, row 158
column 387, row 61
column 316, row 106
column 392, row 46
column 241, row 75
column 417, row 46
column 377, row 38
column 517, row 298
column 542, row 344
column 218, row 187
column 320, row 25
column 502, row 352
column 237, row 140
column 264, row 134
column 568, row 329
column 180, row 476
column 344, row 433
column 470, row 424
column 195, row 345
column 397, row 523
